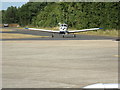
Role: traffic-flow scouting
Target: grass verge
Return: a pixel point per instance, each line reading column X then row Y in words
column 16, row 35
column 112, row 33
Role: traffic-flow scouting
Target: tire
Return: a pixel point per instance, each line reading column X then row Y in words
column 74, row 36
column 52, row 36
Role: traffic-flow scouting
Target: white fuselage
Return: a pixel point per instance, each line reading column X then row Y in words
column 63, row 29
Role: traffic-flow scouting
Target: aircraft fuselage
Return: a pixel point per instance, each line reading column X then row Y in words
column 63, row 30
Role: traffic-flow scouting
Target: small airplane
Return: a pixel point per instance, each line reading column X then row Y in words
column 63, row 29
column 102, row 86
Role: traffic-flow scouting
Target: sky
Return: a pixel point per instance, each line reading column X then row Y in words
column 8, row 3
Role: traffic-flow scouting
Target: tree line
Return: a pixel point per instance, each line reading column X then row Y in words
column 77, row 15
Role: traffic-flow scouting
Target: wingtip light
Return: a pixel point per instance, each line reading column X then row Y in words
column 100, row 28
column 26, row 28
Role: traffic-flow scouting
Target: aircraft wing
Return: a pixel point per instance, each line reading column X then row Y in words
column 43, row 30
column 83, row 30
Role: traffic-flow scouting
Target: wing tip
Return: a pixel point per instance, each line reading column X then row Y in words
column 26, row 28
column 100, row 28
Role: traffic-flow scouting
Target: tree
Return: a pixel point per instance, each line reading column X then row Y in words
column 10, row 15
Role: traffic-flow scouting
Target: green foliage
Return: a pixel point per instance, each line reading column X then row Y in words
column 29, row 11
column 77, row 15
column 10, row 15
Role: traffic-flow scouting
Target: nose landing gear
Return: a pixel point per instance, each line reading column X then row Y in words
column 74, row 35
column 63, row 35
column 52, row 35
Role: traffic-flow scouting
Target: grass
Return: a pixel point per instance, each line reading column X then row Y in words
column 5, row 30
column 113, row 33
column 17, row 36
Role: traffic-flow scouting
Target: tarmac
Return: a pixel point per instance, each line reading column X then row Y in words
column 59, row 62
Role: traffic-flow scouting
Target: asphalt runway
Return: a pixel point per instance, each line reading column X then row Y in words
column 58, row 63
column 57, row 36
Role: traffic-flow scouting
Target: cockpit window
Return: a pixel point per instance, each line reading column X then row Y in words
column 64, row 25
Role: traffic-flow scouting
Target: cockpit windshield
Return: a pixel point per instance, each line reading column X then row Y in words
column 65, row 25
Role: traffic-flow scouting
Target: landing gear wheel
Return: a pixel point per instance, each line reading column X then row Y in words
column 63, row 36
column 74, row 35
column 52, row 35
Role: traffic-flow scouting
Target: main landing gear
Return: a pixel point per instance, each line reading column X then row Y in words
column 52, row 35
column 74, row 35
column 64, row 36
